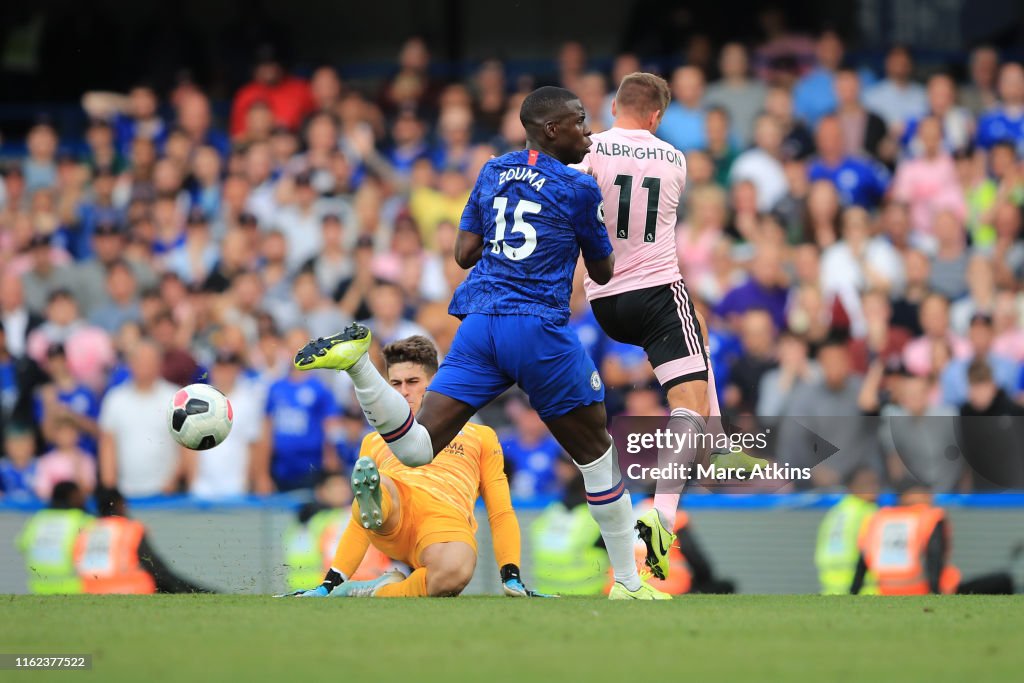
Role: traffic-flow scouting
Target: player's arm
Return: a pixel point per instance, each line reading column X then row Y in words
column 501, row 517
column 494, row 490
column 469, row 243
column 591, row 233
column 469, row 247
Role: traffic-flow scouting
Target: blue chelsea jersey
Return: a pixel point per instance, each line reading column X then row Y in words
column 536, row 216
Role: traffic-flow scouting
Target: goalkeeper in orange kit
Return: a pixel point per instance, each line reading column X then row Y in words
column 423, row 516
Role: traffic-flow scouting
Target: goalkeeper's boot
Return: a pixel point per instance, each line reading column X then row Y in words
column 740, row 461
column 366, row 489
column 658, row 539
column 366, row 589
column 645, row 592
column 337, row 352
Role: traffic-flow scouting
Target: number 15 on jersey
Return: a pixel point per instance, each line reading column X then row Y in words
column 499, row 245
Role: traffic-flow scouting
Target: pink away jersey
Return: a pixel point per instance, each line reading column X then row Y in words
column 641, row 179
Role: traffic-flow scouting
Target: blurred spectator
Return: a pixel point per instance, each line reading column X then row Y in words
column 572, row 61
column 957, row 124
column 531, row 452
column 797, row 141
column 430, row 206
column 683, row 123
column 1008, row 249
column 696, row 239
column 17, row 322
column 906, row 307
column 896, row 98
column 40, row 167
column 1005, row 122
column 196, row 123
column 136, row 452
column 226, row 470
column 864, row 131
column 289, row 99
column 814, row 95
column 795, row 370
column 133, row 116
column 309, row 307
column 46, row 272
column 18, row 466
column 62, row 321
column 388, row 320
column 333, row 263
column 1005, row 371
column 300, row 414
column 881, row 339
column 194, row 259
column 979, row 95
column 918, row 354
column 757, row 336
column 981, row 295
column 721, row 145
column 915, row 435
column 764, row 289
column 490, row 97
column 409, row 142
column 761, row 164
column 300, row 222
column 1009, row 328
column 816, row 407
column 929, row 183
column 984, row 397
column 859, row 181
column 65, row 462
column 741, row 96
column 411, row 86
column 123, row 302
column 859, row 262
column 821, row 224
column 949, row 262
column 64, row 397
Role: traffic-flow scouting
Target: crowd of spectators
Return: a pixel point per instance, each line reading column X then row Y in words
column 853, row 239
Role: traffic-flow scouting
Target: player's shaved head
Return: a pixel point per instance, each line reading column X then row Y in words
column 643, row 94
column 556, row 124
column 544, row 105
column 416, row 349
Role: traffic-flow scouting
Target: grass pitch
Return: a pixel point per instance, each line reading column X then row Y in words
column 492, row 639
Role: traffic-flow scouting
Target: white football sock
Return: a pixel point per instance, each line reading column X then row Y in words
column 611, row 508
column 388, row 412
column 687, row 426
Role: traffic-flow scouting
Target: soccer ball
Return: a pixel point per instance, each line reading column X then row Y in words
column 199, row 417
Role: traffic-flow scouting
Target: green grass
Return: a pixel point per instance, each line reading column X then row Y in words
column 701, row 638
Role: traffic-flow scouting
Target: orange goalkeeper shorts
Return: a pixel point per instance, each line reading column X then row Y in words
column 424, row 520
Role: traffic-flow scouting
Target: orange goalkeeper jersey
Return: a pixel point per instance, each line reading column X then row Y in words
column 471, row 466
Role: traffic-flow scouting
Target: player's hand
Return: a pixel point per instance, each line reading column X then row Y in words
column 318, row 592
column 512, row 584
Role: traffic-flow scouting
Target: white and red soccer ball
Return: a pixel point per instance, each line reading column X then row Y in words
column 199, row 417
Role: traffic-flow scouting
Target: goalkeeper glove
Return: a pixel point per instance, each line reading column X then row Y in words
column 331, row 581
column 512, row 584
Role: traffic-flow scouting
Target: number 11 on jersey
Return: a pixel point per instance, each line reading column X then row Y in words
column 653, row 187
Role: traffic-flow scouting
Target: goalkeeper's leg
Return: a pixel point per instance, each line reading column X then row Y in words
column 447, row 569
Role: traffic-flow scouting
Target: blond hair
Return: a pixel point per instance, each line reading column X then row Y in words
column 643, row 94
